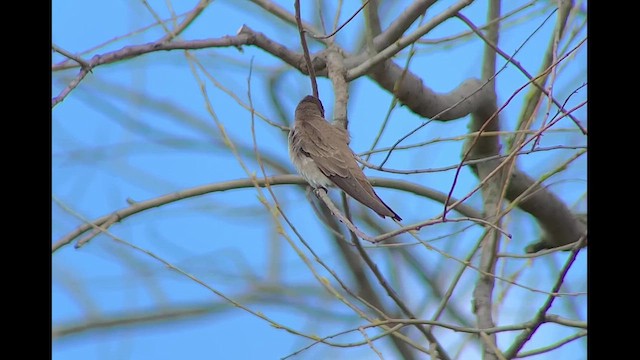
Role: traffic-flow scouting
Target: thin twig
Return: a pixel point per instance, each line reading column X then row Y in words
column 454, row 281
column 283, row 14
column 537, row 254
column 394, row 296
column 343, row 25
column 486, row 338
column 551, row 347
column 72, row 85
column 193, row 14
column 88, row 66
column 370, row 343
column 170, row 266
column 142, row 206
column 539, row 318
column 510, row 59
column 65, row 64
column 83, row 63
column 551, row 318
column 454, row 166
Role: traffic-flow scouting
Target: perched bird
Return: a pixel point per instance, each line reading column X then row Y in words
column 321, row 154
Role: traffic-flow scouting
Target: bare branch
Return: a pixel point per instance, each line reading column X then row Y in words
column 192, row 15
column 372, row 19
column 305, row 50
column 560, row 225
column 540, row 316
column 442, row 353
column 401, row 23
column 72, row 85
column 536, row 92
column 82, row 62
column 288, row 17
column 138, row 207
column 410, row 90
column 485, row 120
column 510, row 59
column 553, row 346
column 563, row 321
column 322, row 195
column 345, row 23
column 337, row 73
column 88, row 67
column 397, row 46
column 365, row 287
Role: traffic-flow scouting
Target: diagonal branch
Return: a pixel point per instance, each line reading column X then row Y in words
column 442, row 354
column 95, row 61
column 540, row 316
column 288, row 17
column 364, row 67
column 193, row 14
column 537, row 84
column 533, row 97
column 365, row 287
column 401, row 23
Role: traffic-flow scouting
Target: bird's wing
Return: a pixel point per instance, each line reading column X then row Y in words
column 327, row 146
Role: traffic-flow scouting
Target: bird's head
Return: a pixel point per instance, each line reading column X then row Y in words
column 311, row 104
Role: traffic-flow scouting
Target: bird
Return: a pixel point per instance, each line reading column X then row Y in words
column 320, row 153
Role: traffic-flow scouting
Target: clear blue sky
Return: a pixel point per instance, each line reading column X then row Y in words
column 139, row 129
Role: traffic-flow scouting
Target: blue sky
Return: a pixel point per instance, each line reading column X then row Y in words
column 140, row 129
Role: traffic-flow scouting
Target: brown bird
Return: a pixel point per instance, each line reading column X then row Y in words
column 320, row 151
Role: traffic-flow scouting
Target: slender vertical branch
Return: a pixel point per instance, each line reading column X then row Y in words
column 536, row 92
column 491, row 193
column 337, row 73
column 372, row 24
column 305, row 49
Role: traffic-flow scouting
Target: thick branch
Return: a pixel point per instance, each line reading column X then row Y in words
column 372, row 19
column 410, row 90
column 245, row 36
column 559, row 224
